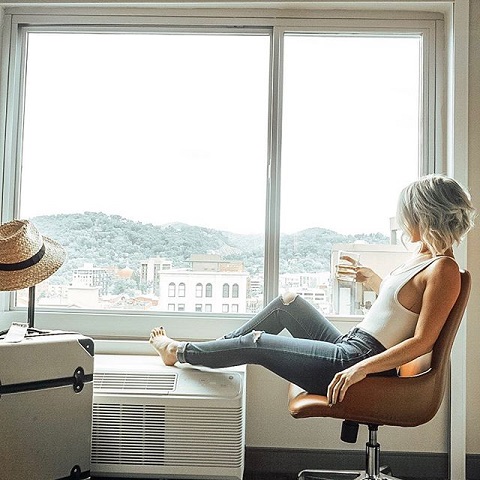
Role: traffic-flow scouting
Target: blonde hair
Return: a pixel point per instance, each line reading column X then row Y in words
column 439, row 208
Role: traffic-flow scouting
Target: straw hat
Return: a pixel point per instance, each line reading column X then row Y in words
column 26, row 258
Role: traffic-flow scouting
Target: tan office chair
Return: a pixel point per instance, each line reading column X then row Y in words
column 412, row 398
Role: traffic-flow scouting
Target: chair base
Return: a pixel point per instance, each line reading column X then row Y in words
column 373, row 469
column 345, row 475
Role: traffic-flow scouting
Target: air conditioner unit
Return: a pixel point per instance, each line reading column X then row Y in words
column 154, row 421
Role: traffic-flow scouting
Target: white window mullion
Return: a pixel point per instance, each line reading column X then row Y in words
column 13, row 59
column 14, row 122
column 272, row 233
column 5, row 34
column 429, row 133
column 440, row 100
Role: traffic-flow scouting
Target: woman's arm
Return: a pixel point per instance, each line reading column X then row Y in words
column 369, row 278
column 442, row 287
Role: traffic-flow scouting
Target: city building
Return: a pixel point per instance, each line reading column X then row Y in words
column 90, row 276
column 211, row 286
column 314, row 287
column 149, row 273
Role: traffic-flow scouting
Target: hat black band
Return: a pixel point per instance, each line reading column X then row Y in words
column 29, row 262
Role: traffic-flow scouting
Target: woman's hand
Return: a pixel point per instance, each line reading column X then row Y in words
column 369, row 278
column 342, row 381
column 364, row 274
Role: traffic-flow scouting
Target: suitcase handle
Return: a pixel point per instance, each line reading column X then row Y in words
column 77, row 381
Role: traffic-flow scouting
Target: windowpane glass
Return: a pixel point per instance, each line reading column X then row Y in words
column 145, row 156
column 350, row 143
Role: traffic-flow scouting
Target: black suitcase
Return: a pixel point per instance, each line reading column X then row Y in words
column 46, row 390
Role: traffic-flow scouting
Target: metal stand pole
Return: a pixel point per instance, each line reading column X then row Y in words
column 31, row 306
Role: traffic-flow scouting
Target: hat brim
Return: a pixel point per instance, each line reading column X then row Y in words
column 51, row 261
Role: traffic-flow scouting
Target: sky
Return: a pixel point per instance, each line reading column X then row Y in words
column 174, row 128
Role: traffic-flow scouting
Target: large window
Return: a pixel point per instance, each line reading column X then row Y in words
column 177, row 161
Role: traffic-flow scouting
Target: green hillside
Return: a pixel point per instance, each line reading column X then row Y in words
column 111, row 240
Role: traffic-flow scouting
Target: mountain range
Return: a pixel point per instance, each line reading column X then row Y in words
column 111, row 240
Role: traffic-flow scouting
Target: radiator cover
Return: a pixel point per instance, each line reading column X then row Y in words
column 153, row 421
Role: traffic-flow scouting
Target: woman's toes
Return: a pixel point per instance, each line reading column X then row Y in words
column 156, row 332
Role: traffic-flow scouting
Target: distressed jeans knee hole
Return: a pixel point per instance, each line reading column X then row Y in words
column 256, row 335
column 288, row 297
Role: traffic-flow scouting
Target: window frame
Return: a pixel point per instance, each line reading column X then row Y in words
column 106, row 324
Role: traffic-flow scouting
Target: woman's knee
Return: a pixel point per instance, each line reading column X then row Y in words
column 288, row 297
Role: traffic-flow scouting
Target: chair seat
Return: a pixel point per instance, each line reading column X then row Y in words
column 376, row 400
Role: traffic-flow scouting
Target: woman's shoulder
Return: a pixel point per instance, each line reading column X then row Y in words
column 442, row 282
column 444, row 268
column 446, row 261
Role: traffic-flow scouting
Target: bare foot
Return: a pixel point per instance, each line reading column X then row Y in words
column 165, row 346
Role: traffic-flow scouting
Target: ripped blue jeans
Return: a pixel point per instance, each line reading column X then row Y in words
column 310, row 358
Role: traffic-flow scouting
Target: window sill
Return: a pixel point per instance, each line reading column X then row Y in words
column 135, row 328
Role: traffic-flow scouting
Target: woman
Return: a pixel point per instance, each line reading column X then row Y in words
column 404, row 322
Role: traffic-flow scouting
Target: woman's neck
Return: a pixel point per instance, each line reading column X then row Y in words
column 424, row 251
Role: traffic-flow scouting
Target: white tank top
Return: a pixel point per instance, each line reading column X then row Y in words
column 388, row 320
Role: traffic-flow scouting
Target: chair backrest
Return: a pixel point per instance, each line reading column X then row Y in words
column 438, row 359
column 443, row 345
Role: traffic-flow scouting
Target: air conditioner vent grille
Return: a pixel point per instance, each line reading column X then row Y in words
column 132, row 382
column 160, row 435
